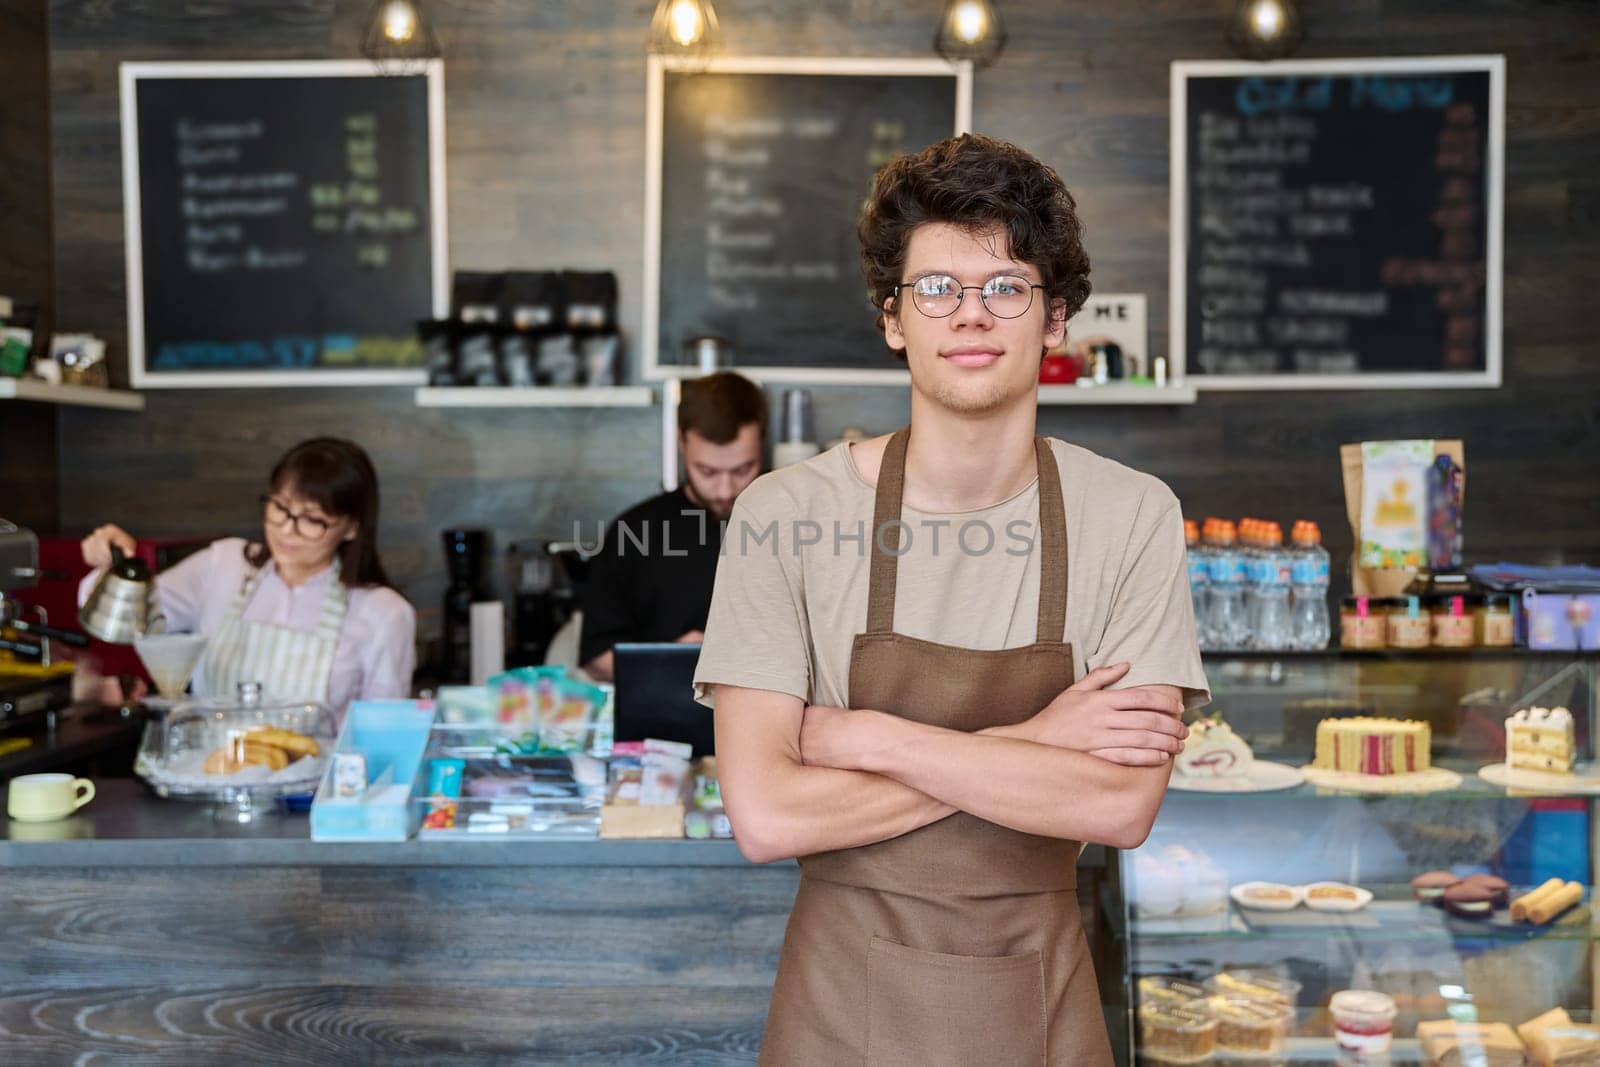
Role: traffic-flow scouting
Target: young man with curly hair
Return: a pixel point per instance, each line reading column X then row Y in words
column 943, row 659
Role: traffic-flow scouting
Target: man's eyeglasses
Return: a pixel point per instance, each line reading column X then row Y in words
column 307, row 526
column 938, row 295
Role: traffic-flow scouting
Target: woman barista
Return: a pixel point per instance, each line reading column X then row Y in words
column 308, row 612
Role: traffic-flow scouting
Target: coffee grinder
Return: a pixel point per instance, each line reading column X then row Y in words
column 464, row 552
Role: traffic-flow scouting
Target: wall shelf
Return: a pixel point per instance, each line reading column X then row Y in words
column 625, row 396
column 71, row 395
column 1113, row 395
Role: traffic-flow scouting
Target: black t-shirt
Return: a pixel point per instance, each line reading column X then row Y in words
column 651, row 580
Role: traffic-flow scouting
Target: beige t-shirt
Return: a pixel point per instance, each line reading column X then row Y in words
column 791, row 586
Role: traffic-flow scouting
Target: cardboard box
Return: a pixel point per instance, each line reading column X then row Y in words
column 641, row 820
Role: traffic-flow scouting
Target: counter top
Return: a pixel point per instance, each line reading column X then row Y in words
column 128, row 826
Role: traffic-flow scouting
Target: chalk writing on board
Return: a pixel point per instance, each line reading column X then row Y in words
column 1335, row 224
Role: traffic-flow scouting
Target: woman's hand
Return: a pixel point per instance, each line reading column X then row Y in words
column 1136, row 727
column 97, row 546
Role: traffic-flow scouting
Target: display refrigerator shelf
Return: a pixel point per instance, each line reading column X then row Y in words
column 1335, row 653
column 1470, row 787
column 1307, row 1050
column 1392, row 916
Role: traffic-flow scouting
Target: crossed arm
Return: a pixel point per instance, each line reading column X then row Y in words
column 798, row 780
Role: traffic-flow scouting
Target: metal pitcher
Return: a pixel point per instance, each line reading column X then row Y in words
column 122, row 604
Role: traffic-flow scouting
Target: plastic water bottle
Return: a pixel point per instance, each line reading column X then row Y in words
column 1229, row 627
column 1309, row 572
column 1250, row 555
column 1198, row 578
column 1274, row 626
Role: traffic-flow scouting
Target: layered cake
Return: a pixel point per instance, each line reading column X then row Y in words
column 1540, row 739
column 1372, row 746
column 1213, row 750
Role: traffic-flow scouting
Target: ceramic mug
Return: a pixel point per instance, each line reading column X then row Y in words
column 42, row 797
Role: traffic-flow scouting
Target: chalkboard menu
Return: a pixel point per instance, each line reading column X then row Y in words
column 1337, row 224
column 758, row 169
column 285, row 222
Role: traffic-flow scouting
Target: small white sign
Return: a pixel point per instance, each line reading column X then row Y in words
column 1119, row 318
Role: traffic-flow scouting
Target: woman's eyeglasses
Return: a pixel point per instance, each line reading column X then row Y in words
column 308, row 526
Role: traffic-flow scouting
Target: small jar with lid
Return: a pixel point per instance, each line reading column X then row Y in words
column 1496, row 618
column 1362, row 623
column 1409, row 625
column 1454, row 625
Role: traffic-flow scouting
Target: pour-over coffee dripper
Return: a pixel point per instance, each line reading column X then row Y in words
column 170, row 659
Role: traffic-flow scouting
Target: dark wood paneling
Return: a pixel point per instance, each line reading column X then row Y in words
column 546, row 152
column 29, row 489
column 408, row 965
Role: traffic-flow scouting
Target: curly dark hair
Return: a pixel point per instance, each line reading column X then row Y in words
column 975, row 182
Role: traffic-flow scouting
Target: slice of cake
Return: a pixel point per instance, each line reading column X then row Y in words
column 1213, row 750
column 1540, row 739
column 1372, row 746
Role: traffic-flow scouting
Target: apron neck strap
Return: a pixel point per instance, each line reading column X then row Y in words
column 885, row 537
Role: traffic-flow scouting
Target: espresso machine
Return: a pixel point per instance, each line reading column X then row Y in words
column 31, row 684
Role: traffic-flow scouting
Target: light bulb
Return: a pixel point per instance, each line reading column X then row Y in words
column 1265, row 29
column 399, row 21
column 687, row 27
column 968, row 21
column 1266, row 19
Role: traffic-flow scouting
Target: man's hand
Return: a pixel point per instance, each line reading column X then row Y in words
column 691, row 637
column 1136, row 727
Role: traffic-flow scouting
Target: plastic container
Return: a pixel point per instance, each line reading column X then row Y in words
column 1409, row 625
column 1250, row 1027
column 1158, row 989
column 1454, row 625
column 1177, row 1033
column 1363, row 1020
column 1264, row 986
column 1362, row 623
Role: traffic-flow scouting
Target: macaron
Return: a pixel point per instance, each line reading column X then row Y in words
column 1430, row 887
column 1494, row 884
column 1469, row 900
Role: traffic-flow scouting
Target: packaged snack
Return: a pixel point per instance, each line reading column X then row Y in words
column 1165, row 989
column 349, row 775
column 1363, row 1020
column 1250, row 1027
column 1177, row 1033
column 1256, row 985
column 567, row 709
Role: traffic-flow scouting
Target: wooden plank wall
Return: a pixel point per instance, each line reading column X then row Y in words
column 546, row 150
column 29, row 492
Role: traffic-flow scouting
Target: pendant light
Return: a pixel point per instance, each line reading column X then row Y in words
column 398, row 38
column 1265, row 29
column 970, row 30
column 685, row 28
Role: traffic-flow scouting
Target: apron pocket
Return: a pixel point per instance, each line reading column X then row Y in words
column 926, row 1009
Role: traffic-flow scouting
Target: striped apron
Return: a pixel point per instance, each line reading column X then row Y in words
column 291, row 665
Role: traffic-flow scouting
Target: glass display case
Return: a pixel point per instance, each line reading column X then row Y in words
column 1285, row 885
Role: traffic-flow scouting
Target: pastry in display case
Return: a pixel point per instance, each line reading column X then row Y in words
column 237, row 752
column 1410, row 910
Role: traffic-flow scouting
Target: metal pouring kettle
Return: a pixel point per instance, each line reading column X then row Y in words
column 122, row 605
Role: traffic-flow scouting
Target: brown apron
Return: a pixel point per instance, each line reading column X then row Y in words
column 958, row 943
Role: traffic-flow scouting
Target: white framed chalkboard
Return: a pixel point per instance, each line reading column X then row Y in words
column 285, row 222
column 756, row 170
column 1337, row 224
